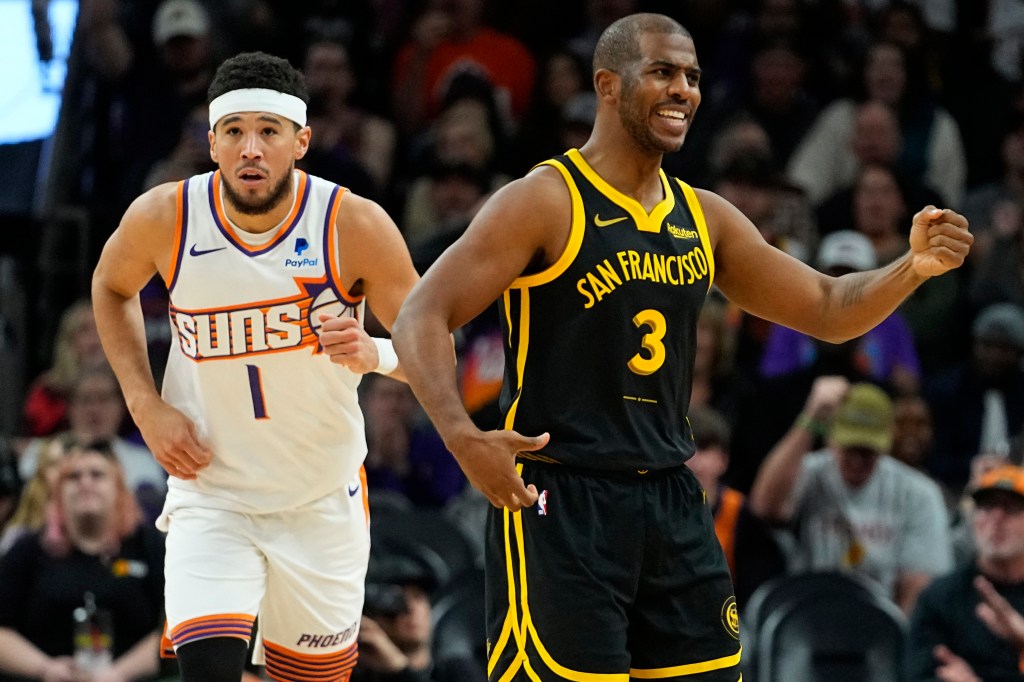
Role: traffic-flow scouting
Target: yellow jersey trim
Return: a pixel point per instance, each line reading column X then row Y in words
column 572, row 248
column 524, row 344
column 688, row 669
column 702, row 228
column 528, row 627
column 510, row 625
column 645, row 222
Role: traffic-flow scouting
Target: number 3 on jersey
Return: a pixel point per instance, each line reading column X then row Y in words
column 651, row 342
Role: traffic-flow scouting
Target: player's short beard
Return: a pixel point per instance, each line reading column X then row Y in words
column 635, row 120
column 263, row 206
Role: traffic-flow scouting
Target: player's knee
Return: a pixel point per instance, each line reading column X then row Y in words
column 215, row 659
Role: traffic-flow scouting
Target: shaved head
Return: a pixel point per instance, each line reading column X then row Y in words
column 619, row 45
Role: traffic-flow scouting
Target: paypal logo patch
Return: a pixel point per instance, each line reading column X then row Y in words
column 300, row 245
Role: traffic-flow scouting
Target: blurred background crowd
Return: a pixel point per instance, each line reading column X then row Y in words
column 827, row 122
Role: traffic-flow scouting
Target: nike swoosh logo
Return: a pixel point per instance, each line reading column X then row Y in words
column 605, row 223
column 352, row 491
column 197, row 252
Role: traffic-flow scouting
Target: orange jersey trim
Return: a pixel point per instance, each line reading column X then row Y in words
column 333, row 246
column 178, row 243
column 301, row 197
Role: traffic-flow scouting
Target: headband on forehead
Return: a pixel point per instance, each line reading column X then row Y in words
column 258, row 99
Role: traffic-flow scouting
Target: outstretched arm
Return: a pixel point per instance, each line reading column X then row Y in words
column 141, row 246
column 774, row 286
column 524, row 226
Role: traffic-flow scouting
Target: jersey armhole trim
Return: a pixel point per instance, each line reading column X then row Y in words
column 572, row 247
column 333, row 244
column 702, row 228
column 180, row 228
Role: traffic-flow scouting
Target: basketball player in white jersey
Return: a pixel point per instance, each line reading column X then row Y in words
column 268, row 271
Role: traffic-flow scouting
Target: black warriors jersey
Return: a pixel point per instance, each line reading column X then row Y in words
column 599, row 347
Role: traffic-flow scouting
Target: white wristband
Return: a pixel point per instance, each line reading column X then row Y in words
column 387, row 357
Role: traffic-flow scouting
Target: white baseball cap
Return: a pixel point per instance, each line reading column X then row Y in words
column 176, row 18
column 846, row 249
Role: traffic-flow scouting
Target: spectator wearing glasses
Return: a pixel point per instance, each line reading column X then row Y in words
column 93, row 549
column 963, row 627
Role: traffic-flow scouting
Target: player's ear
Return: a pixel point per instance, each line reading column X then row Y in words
column 213, row 146
column 607, row 84
column 302, row 139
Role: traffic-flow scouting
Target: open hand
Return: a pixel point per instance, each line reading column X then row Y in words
column 939, row 241
column 488, row 458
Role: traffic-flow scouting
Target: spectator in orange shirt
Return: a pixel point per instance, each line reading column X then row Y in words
column 448, row 39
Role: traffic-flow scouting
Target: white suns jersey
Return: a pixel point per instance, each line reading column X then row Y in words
column 246, row 365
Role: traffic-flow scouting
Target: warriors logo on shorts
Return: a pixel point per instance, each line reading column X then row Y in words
column 731, row 617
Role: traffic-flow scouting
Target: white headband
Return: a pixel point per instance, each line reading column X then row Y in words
column 258, row 99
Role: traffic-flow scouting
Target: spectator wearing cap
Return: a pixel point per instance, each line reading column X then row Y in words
column 182, row 34
column 950, row 636
column 154, row 98
column 850, row 506
column 886, row 353
column 978, row 404
column 180, row 19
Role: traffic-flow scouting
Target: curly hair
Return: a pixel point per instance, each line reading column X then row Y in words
column 257, row 70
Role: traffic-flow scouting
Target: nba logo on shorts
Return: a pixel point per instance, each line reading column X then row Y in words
column 542, row 503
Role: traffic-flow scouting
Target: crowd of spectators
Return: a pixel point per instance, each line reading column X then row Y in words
column 827, row 124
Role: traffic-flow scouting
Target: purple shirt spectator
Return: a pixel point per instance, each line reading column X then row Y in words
column 886, row 350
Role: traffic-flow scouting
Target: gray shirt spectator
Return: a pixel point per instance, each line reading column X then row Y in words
column 852, row 506
column 895, row 523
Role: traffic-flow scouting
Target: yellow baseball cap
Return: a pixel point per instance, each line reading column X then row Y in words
column 864, row 419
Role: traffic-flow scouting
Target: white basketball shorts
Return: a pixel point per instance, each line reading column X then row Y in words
column 302, row 571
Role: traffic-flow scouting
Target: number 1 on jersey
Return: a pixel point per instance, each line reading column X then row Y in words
column 259, row 404
column 651, row 342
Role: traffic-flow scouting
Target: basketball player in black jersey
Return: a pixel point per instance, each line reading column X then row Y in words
column 602, row 559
